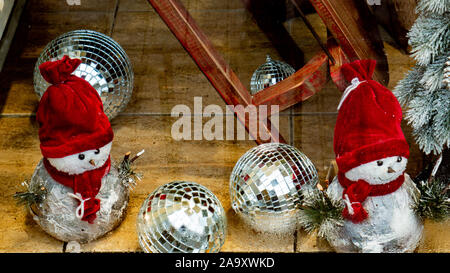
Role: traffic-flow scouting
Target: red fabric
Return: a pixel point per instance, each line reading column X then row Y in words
column 59, row 71
column 70, row 113
column 367, row 129
column 87, row 184
column 361, row 69
column 368, row 122
column 358, row 192
column 375, row 190
column 359, row 213
column 71, row 120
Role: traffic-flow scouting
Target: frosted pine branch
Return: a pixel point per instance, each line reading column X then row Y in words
column 433, row 74
column 420, row 110
column 318, row 212
column 423, row 92
column 408, row 87
column 429, row 37
column 438, row 7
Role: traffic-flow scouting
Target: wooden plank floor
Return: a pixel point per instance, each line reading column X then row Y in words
column 164, row 77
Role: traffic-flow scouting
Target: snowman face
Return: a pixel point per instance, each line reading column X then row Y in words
column 82, row 162
column 379, row 171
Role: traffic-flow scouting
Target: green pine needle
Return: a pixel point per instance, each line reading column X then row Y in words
column 33, row 195
column 319, row 212
column 127, row 174
column 434, row 202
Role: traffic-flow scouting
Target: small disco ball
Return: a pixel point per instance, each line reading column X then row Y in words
column 104, row 64
column 265, row 186
column 181, row 217
column 269, row 74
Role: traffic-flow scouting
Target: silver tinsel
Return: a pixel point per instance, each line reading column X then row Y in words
column 392, row 226
column 269, row 74
column 265, row 186
column 181, row 217
column 104, row 64
column 56, row 213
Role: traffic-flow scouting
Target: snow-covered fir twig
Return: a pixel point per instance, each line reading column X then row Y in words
column 433, row 6
column 319, row 212
column 31, row 195
column 424, row 91
column 127, row 173
column 434, row 201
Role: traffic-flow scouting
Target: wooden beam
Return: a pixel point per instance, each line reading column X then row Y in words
column 6, row 8
column 298, row 87
column 355, row 29
column 10, row 29
column 335, row 69
column 210, row 62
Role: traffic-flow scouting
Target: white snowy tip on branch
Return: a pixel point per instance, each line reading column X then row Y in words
column 140, row 153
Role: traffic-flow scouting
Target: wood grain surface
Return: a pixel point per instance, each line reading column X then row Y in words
column 167, row 76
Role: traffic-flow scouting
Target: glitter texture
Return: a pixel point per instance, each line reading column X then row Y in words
column 392, row 226
column 104, row 64
column 56, row 213
column 181, row 217
column 269, row 74
column 265, row 186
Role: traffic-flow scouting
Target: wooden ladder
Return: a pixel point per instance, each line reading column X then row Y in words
column 352, row 38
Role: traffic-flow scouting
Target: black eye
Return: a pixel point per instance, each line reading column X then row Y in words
column 379, row 162
column 97, row 151
column 81, row 156
column 399, row 159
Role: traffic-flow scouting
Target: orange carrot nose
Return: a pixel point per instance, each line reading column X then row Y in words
column 92, row 162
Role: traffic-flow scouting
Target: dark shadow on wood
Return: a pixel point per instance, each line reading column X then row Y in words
column 356, row 31
column 370, row 31
column 396, row 17
column 270, row 16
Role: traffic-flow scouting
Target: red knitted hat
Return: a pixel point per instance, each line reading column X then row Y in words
column 368, row 122
column 70, row 113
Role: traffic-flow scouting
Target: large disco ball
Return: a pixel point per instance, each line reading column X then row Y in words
column 181, row 217
column 265, row 186
column 104, row 64
column 269, row 74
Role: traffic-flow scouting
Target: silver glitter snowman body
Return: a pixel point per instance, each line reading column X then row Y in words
column 57, row 213
column 392, row 224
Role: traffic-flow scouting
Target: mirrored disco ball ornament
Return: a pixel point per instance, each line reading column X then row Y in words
column 269, row 74
column 104, row 64
column 265, row 186
column 181, row 217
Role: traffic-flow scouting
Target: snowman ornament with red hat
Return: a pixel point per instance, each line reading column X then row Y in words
column 371, row 154
column 83, row 195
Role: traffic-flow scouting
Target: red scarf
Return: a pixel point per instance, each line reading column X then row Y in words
column 87, row 184
column 357, row 192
